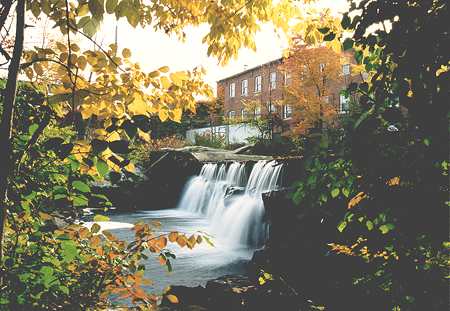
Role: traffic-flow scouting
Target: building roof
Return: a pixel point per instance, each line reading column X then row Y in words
column 247, row 70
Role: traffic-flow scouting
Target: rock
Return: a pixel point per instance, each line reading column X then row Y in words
column 229, row 292
column 55, row 223
column 187, row 296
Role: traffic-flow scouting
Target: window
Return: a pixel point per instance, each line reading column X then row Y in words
column 258, row 84
column 272, row 108
column 287, row 111
column 258, row 113
column 346, row 69
column 273, row 81
column 344, row 105
column 244, row 113
column 232, row 89
column 288, row 79
column 244, row 87
column 231, row 114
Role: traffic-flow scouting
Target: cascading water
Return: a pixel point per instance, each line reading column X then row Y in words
column 231, row 201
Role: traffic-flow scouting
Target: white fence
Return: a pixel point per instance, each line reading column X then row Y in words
column 234, row 133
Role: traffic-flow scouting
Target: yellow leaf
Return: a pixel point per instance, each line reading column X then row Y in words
column 161, row 242
column 181, row 240
column 164, row 69
column 45, row 216
column 165, row 82
column 29, row 73
column 336, row 46
column 394, row 181
column 175, row 79
column 95, row 240
column 165, row 290
column 154, row 74
column 162, row 259
column 155, row 223
column 81, row 62
column 163, row 115
column 100, row 132
column 95, row 228
column 85, row 112
column 172, row 298
column 173, row 236
column 126, row 53
column 124, row 295
column 38, row 69
column 104, row 294
column 100, row 250
column 83, row 232
column 176, row 115
column 146, row 281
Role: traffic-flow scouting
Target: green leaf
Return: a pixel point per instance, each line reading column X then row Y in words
column 98, row 146
column 345, row 21
column 102, row 168
column 329, row 37
column 101, row 218
column 63, row 151
column 348, row 44
column 114, row 177
column 119, row 146
column 384, row 229
column 369, row 225
column 80, row 200
column 169, row 266
column 110, row 6
column 323, row 197
column 335, row 192
column 298, row 197
column 410, row 298
column 32, row 128
column 323, row 30
column 342, row 226
column 346, row 192
column 81, row 186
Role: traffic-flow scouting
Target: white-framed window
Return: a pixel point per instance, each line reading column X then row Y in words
column 287, row 79
column 232, row 89
column 258, row 84
column 287, row 111
column 273, row 81
column 346, row 69
column 244, row 87
column 244, row 113
column 258, row 112
column 344, row 104
column 231, row 114
column 272, row 108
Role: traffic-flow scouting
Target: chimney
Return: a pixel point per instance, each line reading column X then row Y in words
column 245, row 67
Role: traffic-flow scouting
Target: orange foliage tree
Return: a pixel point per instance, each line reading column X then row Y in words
column 310, row 72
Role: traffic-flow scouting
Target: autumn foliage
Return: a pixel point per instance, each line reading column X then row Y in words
column 310, row 72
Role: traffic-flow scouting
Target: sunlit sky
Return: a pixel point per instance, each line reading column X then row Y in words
column 155, row 49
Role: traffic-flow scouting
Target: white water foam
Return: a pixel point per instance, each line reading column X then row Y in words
column 230, row 201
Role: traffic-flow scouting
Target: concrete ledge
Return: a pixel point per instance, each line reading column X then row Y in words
column 226, row 157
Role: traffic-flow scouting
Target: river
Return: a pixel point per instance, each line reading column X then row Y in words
column 225, row 202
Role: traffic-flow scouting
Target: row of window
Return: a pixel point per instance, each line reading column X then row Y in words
column 258, row 85
column 344, row 107
column 257, row 112
column 272, row 82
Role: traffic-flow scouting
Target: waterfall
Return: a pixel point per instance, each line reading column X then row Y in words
column 231, row 199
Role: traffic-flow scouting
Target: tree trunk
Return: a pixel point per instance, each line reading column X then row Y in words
column 6, row 151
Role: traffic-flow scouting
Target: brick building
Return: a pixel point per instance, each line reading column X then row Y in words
column 264, row 84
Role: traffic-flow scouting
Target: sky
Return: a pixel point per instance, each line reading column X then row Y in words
column 155, row 49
